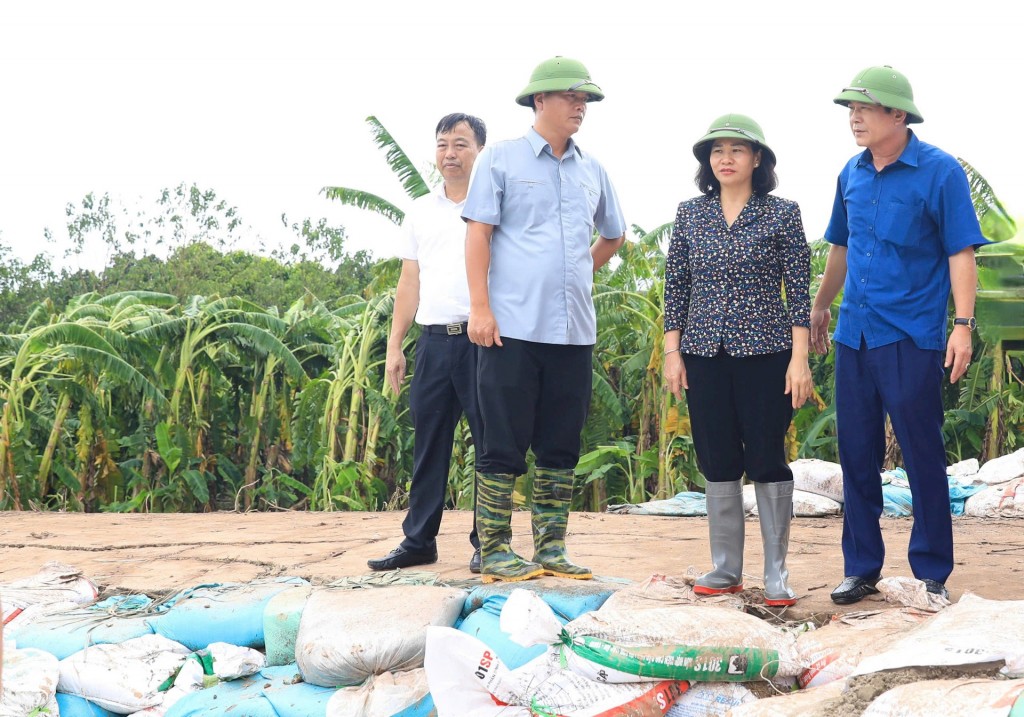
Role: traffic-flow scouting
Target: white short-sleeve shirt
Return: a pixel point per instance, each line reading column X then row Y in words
column 434, row 235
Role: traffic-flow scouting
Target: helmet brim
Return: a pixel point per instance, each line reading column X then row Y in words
column 701, row 148
column 558, row 84
column 885, row 99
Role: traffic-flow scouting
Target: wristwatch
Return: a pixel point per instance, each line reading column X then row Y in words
column 969, row 323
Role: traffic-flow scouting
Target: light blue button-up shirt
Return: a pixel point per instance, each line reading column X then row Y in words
column 544, row 212
column 900, row 226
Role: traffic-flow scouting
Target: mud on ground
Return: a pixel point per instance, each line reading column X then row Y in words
column 163, row 553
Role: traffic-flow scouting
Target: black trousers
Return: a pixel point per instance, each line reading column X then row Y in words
column 532, row 395
column 443, row 388
column 739, row 415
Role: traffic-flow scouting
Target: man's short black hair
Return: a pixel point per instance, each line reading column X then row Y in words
column 448, row 122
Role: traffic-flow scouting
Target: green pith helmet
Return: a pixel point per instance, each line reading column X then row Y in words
column 883, row 86
column 737, row 127
column 559, row 74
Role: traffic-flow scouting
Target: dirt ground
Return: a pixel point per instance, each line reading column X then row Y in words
column 159, row 554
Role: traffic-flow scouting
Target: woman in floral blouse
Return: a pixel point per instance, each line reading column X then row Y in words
column 737, row 313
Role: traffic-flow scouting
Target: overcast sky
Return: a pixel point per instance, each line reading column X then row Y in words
column 265, row 102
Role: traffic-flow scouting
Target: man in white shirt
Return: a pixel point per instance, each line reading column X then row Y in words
column 433, row 288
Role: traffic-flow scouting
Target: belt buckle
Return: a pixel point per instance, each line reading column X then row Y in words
column 454, row 329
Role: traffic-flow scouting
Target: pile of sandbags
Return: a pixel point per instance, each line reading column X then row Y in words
column 566, row 648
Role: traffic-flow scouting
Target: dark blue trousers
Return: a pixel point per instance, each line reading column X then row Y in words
column 905, row 382
column 443, row 388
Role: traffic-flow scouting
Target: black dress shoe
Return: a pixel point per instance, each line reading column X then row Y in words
column 935, row 588
column 402, row 558
column 474, row 562
column 854, row 589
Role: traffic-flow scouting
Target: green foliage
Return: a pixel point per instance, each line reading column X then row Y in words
column 191, row 376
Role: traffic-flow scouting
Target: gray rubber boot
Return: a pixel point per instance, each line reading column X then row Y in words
column 775, row 509
column 726, row 529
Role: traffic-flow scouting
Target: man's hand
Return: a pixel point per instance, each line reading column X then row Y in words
column 958, row 352
column 675, row 374
column 394, row 368
column 820, row 320
column 483, row 328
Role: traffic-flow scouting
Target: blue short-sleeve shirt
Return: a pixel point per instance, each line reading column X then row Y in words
column 544, row 211
column 900, row 226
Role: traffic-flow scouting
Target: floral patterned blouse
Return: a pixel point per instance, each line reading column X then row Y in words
column 724, row 285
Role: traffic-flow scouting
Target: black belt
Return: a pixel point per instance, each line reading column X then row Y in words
column 448, row 329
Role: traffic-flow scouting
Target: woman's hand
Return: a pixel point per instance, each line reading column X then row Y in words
column 799, row 382
column 675, row 374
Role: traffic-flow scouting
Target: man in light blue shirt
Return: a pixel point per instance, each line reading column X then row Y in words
column 534, row 205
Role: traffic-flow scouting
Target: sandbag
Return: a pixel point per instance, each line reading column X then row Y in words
column 568, row 599
column 384, row 695
column 272, row 692
column 466, row 678
column 686, row 504
column 29, row 681
column 347, row 635
column 662, row 591
column 695, row 643
column 805, row 504
column 972, row 631
column 482, row 610
column 281, row 618
column 221, row 612
column 897, row 501
column 62, row 630
column 710, row 699
column 54, row 583
column 818, row 477
column 811, row 702
column 977, row 698
column 910, row 592
column 963, row 469
column 1003, row 469
column 998, row 501
column 75, row 706
column 126, row 677
column 831, row 652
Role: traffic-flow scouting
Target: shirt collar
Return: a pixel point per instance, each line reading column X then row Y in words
column 538, row 144
column 442, row 198
column 908, row 156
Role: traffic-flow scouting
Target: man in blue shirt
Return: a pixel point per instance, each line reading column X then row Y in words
column 903, row 232
column 534, row 204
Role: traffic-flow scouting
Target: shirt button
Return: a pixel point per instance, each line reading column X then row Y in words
column 863, row 281
column 874, row 201
column 868, row 254
column 862, row 306
column 871, row 228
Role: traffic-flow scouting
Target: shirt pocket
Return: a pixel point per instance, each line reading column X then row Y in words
column 585, row 199
column 900, row 225
column 531, row 198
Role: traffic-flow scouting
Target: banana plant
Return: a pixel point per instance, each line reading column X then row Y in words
column 412, row 181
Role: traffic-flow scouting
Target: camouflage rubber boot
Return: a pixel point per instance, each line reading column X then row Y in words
column 552, row 494
column 494, row 528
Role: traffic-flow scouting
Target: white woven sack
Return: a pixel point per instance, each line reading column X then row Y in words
column 347, row 635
